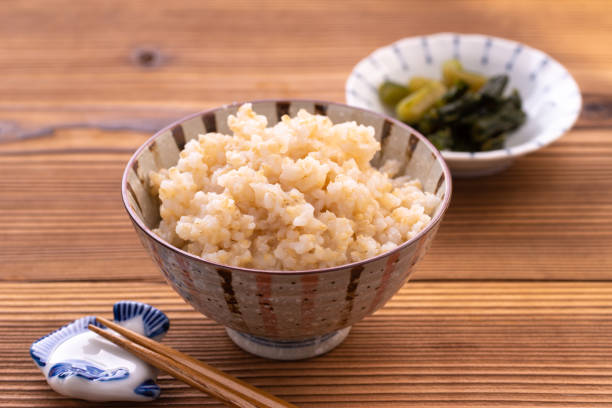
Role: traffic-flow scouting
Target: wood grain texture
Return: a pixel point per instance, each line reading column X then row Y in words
column 202, row 376
column 93, row 60
column 511, row 306
column 446, row 344
column 547, row 217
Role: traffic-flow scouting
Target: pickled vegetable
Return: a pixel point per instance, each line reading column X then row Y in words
column 505, row 118
column 442, row 139
column 418, row 82
column 412, row 107
column 453, row 72
column 390, row 93
column 494, row 88
column 465, row 112
column 450, row 71
column 456, row 91
column 475, row 81
column 477, row 121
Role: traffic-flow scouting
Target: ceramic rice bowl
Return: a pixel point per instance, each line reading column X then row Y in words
column 285, row 314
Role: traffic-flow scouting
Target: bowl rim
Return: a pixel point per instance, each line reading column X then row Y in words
column 147, row 231
column 522, row 149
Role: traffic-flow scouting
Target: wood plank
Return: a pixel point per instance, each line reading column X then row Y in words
column 163, row 59
column 547, row 217
column 467, row 344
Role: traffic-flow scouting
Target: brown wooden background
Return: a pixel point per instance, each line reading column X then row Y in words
column 511, row 307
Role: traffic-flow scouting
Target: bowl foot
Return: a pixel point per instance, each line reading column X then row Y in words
column 288, row 350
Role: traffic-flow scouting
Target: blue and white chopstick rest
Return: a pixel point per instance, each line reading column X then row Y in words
column 80, row 364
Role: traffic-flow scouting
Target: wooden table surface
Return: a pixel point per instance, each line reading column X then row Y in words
column 512, row 306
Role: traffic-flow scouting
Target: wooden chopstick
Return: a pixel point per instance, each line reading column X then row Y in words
column 224, row 387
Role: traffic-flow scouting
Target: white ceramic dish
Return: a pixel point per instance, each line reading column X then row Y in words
column 551, row 97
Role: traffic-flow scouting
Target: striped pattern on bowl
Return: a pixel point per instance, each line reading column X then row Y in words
column 284, row 305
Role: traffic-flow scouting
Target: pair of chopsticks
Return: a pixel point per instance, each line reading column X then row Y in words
column 222, row 386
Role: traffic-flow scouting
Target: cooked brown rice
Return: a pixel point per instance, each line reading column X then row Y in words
column 299, row 195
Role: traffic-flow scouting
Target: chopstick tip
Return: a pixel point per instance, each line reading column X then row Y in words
column 93, row 327
column 102, row 321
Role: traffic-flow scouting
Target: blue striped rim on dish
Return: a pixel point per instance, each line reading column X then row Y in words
column 551, row 96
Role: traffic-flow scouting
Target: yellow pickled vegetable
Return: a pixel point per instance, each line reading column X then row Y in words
column 417, row 82
column 474, row 80
column 412, row 107
column 391, row 93
column 452, row 72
